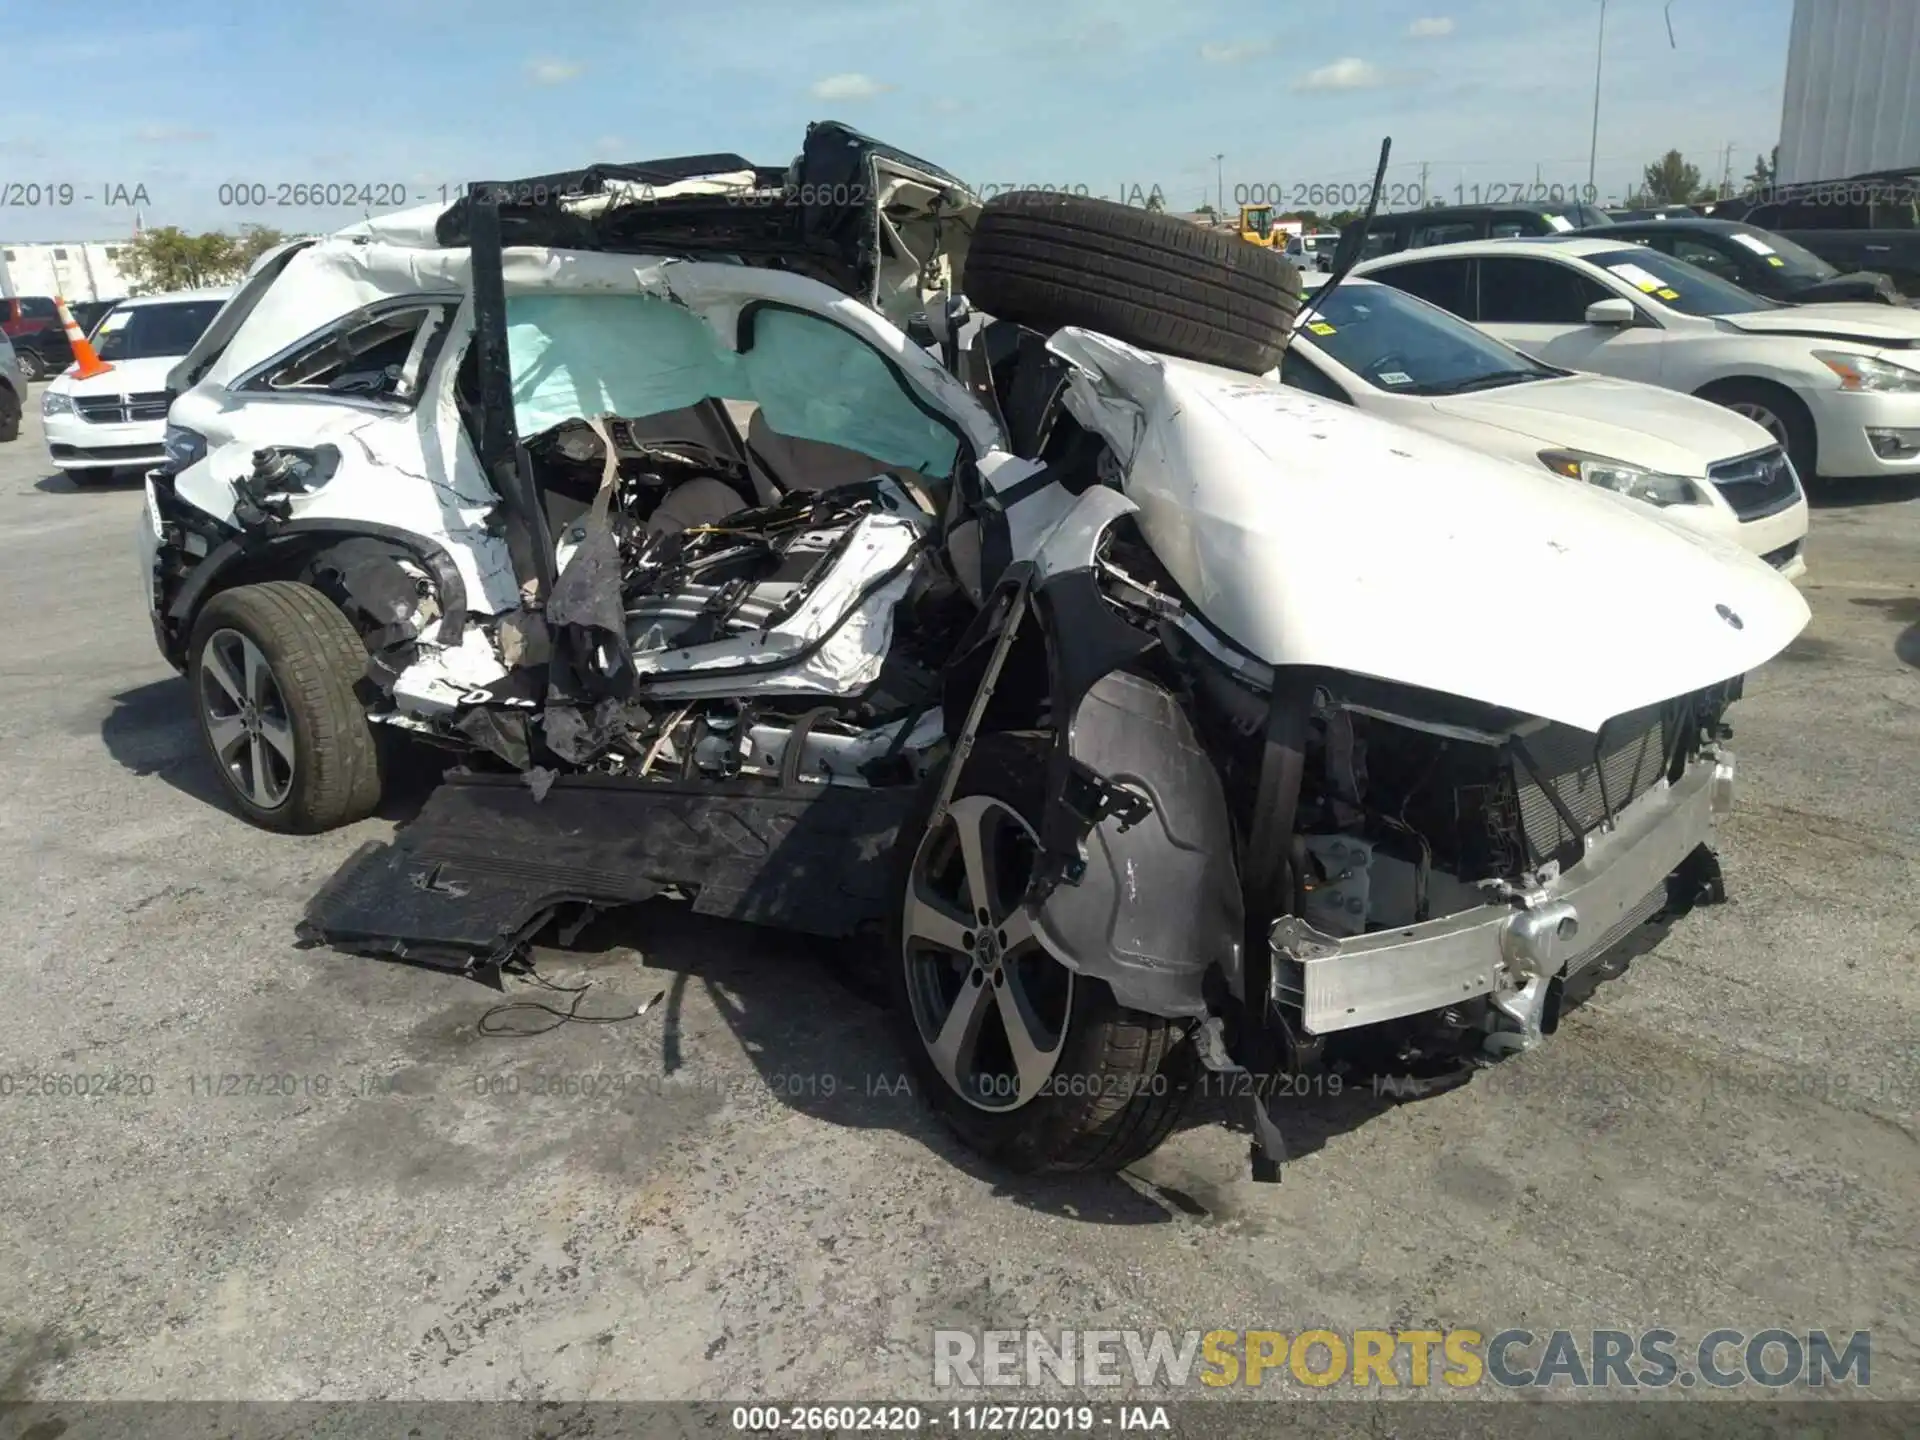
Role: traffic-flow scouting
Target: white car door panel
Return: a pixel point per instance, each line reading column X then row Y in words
column 1539, row 306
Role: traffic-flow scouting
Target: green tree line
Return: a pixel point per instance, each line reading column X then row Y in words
column 169, row 258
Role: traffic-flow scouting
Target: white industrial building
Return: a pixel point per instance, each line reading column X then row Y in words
column 1852, row 100
column 73, row 270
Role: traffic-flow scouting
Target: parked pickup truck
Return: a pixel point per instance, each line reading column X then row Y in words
column 1865, row 222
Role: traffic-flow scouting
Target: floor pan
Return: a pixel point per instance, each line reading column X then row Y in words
column 487, row 863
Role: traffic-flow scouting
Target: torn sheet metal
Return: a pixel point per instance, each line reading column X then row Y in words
column 833, row 643
column 446, row 677
column 501, row 733
column 392, row 472
column 577, row 732
column 329, row 280
column 639, row 192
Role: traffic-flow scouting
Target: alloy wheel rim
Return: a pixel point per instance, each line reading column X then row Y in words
column 1764, row 418
column 246, row 719
column 989, row 1003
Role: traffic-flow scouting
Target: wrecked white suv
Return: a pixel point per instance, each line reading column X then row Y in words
column 1159, row 716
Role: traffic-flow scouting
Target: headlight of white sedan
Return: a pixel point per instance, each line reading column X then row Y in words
column 1652, row 486
column 1866, row 373
column 56, row 402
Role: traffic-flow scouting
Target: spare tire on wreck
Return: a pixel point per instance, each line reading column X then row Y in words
column 1048, row 260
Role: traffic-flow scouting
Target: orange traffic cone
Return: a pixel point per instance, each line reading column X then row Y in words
column 86, row 362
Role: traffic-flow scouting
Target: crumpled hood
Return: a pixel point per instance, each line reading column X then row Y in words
column 1621, row 419
column 1869, row 286
column 1312, row 534
column 1840, row 320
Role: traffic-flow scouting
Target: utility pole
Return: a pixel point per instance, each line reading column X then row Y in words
column 1220, row 175
column 1599, row 52
column 1425, row 198
column 1726, row 171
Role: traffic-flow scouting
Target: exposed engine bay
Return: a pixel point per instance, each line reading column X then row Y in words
column 795, row 637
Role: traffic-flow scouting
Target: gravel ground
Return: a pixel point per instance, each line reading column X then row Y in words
column 752, row 1207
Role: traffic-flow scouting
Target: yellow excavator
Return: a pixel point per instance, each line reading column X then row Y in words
column 1256, row 226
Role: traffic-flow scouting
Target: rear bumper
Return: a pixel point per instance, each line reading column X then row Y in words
column 1508, row 952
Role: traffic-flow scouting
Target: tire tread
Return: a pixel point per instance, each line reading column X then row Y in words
column 1144, row 278
column 320, row 657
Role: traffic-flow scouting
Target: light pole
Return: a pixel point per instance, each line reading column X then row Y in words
column 1220, row 178
column 1599, row 51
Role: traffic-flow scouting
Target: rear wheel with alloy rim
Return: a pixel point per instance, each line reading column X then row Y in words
column 1032, row 1065
column 33, row 366
column 273, row 670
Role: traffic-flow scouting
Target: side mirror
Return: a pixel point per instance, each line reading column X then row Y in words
column 1614, row 310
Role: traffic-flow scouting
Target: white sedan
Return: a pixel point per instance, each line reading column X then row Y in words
column 1838, row 385
column 1378, row 349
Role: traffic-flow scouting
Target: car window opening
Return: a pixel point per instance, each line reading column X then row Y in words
column 145, row 332
column 1687, row 288
column 367, row 359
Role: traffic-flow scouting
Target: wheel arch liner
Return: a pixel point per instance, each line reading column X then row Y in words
column 1139, row 886
column 1156, row 904
column 202, row 582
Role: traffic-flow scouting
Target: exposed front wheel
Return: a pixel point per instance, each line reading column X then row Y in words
column 1032, row 1065
column 272, row 669
column 1778, row 412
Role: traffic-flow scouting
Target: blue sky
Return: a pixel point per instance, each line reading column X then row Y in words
column 1108, row 94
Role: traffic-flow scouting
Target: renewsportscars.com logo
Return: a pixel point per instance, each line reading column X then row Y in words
column 1417, row 1359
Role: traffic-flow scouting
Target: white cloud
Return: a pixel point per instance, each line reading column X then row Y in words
column 1232, row 52
column 553, row 72
column 1430, row 27
column 1347, row 74
column 851, row 86
column 609, row 147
